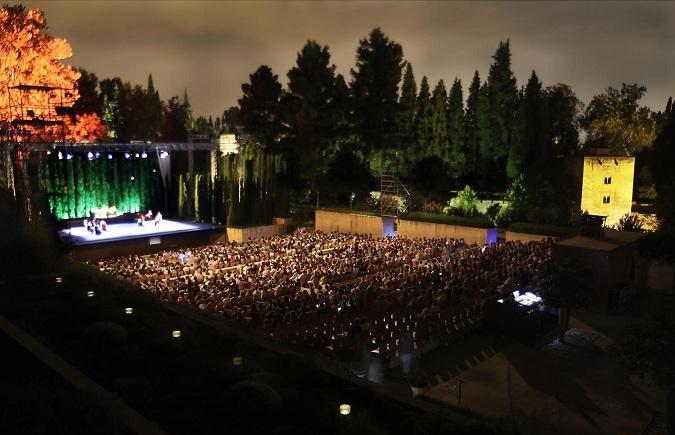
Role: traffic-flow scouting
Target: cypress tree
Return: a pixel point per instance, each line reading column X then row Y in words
column 456, row 156
column 439, row 121
column 503, row 97
column 408, row 107
column 423, row 127
column 529, row 129
column 471, row 126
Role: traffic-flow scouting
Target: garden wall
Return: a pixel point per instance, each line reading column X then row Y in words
column 416, row 229
column 525, row 237
column 330, row 221
column 239, row 235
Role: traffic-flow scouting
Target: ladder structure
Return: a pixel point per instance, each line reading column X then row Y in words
column 391, row 190
column 34, row 115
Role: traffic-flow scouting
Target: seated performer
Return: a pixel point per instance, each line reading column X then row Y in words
column 141, row 219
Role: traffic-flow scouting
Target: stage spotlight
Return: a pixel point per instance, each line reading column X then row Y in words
column 144, row 155
column 136, row 155
column 90, row 155
column 163, row 155
column 127, row 155
column 109, row 156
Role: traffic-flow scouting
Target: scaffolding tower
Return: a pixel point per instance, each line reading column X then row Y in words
column 391, row 190
column 35, row 115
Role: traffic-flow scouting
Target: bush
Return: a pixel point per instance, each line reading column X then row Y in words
column 465, row 204
column 630, row 222
column 432, row 207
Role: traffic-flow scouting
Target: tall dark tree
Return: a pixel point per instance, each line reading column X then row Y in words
column 189, row 119
column 564, row 284
column 310, row 109
column 662, row 163
column 88, row 102
column 423, row 122
column 471, row 126
column 259, row 107
column 530, row 130
column 153, row 109
column 375, row 80
column 486, row 134
column 456, row 156
column 503, row 97
column 113, row 102
column 173, row 121
column 408, row 108
column 439, row 121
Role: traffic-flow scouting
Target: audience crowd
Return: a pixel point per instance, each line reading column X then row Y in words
column 295, row 285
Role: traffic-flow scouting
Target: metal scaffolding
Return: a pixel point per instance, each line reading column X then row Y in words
column 34, row 114
column 391, row 190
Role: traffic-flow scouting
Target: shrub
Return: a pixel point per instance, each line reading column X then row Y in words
column 432, row 207
column 464, row 204
column 630, row 222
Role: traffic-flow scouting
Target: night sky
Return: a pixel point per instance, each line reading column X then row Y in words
column 210, row 48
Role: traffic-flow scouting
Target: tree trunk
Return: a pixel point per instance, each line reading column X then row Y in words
column 563, row 319
column 670, row 408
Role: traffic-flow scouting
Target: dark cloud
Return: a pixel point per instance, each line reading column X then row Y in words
column 211, row 47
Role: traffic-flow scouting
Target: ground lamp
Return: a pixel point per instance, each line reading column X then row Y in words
column 345, row 409
column 175, row 334
column 128, row 310
column 90, row 294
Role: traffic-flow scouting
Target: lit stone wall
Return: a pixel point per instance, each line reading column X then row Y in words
column 330, row 221
column 243, row 234
column 416, row 229
column 619, row 190
column 525, row 237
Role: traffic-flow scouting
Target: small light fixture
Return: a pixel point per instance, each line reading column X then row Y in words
column 59, row 280
column 163, row 155
column 144, row 155
column 238, row 361
column 90, row 294
column 176, row 333
column 345, row 409
column 132, row 178
column 109, row 156
column 128, row 310
column 60, row 155
column 127, row 155
column 137, row 155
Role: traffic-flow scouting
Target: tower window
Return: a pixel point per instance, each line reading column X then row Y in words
column 605, row 199
column 608, row 180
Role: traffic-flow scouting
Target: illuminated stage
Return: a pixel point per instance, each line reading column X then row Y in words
column 125, row 238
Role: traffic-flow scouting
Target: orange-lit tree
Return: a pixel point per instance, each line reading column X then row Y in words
column 32, row 57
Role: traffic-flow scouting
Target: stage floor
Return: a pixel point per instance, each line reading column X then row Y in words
column 125, row 231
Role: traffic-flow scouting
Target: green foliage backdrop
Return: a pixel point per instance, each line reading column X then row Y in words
column 77, row 185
